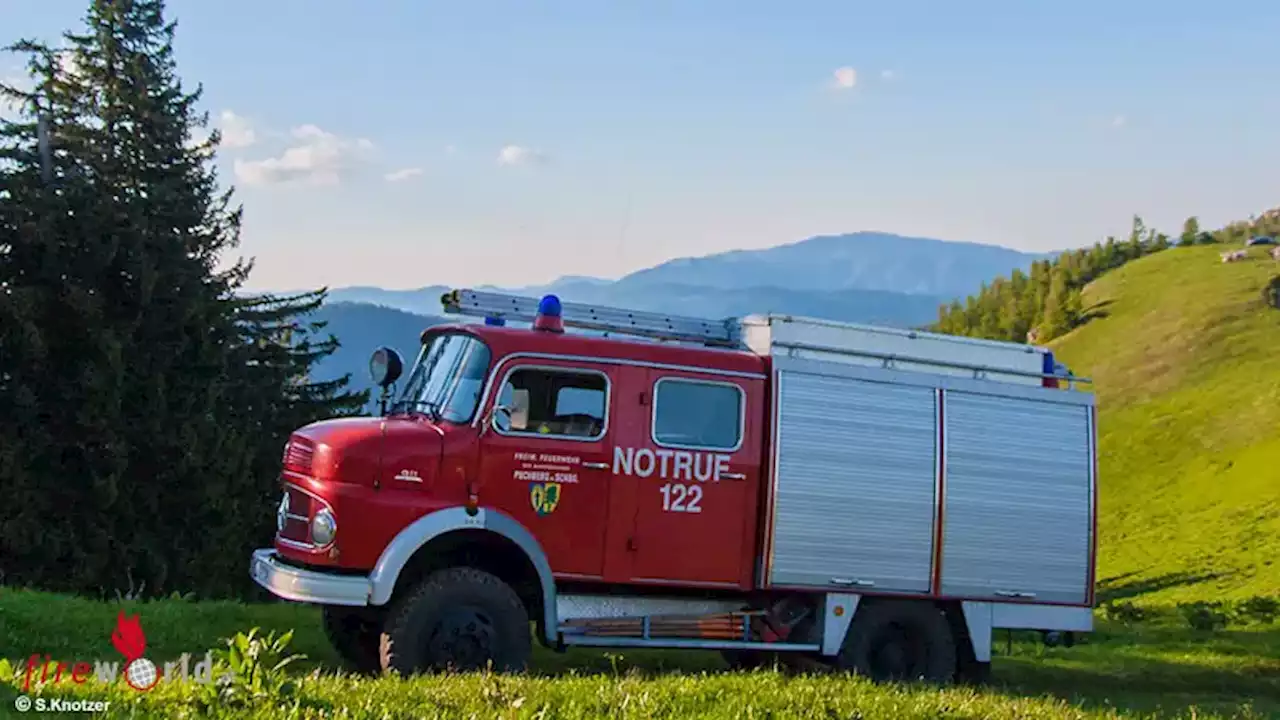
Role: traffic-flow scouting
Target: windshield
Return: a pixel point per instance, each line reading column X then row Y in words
column 446, row 380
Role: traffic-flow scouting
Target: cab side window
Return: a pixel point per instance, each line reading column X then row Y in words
column 698, row 415
column 556, row 402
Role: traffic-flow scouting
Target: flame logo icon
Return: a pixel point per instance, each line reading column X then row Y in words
column 140, row 673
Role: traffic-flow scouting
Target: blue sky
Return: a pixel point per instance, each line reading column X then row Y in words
column 636, row 132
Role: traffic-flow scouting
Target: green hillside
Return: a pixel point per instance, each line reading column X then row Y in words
column 1185, row 354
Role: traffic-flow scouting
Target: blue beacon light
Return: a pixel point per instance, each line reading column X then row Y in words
column 549, row 315
column 1049, row 367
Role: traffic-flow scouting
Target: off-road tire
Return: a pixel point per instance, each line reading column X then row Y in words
column 354, row 635
column 746, row 659
column 916, row 632
column 486, row 613
column 974, row 673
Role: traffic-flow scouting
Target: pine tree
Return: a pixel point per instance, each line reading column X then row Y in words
column 163, row 422
column 1190, row 232
column 279, row 345
column 1134, row 247
column 61, row 360
column 1058, row 310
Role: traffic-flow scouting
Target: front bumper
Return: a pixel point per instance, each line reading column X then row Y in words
column 292, row 583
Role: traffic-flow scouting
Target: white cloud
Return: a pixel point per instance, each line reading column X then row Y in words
column 1119, row 121
column 844, row 78
column 317, row 157
column 451, row 149
column 887, row 75
column 518, row 155
column 237, row 132
column 402, row 175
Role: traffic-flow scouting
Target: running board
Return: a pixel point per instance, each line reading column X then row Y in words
column 677, row 643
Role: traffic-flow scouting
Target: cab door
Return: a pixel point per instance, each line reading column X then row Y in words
column 696, row 473
column 546, row 461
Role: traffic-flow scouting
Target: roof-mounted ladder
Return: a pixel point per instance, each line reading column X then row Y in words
column 657, row 326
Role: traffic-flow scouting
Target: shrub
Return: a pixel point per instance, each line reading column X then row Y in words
column 1124, row 612
column 1271, row 293
column 252, row 669
column 1206, row 616
column 1264, row 610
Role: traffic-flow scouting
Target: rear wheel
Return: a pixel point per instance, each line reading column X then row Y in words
column 895, row 641
column 457, row 619
column 746, row 659
column 354, row 634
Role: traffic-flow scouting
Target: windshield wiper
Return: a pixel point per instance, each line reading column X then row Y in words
column 432, row 408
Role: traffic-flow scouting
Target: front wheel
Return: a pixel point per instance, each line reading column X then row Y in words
column 354, row 635
column 896, row 641
column 457, row 619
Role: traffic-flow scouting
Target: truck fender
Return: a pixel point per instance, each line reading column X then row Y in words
column 977, row 620
column 403, row 546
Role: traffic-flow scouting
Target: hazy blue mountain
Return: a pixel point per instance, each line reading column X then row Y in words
column 422, row 301
column 856, row 261
column 886, row 265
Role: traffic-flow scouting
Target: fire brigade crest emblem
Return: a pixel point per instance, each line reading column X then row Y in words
column 544, row 497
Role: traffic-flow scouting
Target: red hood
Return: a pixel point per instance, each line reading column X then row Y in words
column 366, row 449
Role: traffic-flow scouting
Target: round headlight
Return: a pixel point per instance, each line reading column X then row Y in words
column 282, row 513
column 323, row 528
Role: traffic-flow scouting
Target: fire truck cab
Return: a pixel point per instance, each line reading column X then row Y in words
column 864, row 498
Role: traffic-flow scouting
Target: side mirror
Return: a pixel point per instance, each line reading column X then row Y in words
column 385, row 367
column 500, row 418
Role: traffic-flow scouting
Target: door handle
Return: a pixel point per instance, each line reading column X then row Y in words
column 853, row 582
column 1016, row 594
column 733, row 476
column 596, row 465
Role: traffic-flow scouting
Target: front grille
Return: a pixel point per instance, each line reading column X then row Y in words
column 297, row 525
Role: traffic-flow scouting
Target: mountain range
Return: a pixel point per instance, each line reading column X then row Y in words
column 865, row 276
column 868, row 277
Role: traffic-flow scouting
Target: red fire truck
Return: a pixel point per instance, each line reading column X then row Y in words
column 866, row 498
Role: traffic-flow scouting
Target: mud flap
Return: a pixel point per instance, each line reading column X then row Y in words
column 837, row 612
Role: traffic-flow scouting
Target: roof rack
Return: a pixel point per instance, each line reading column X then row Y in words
column 657, row 326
